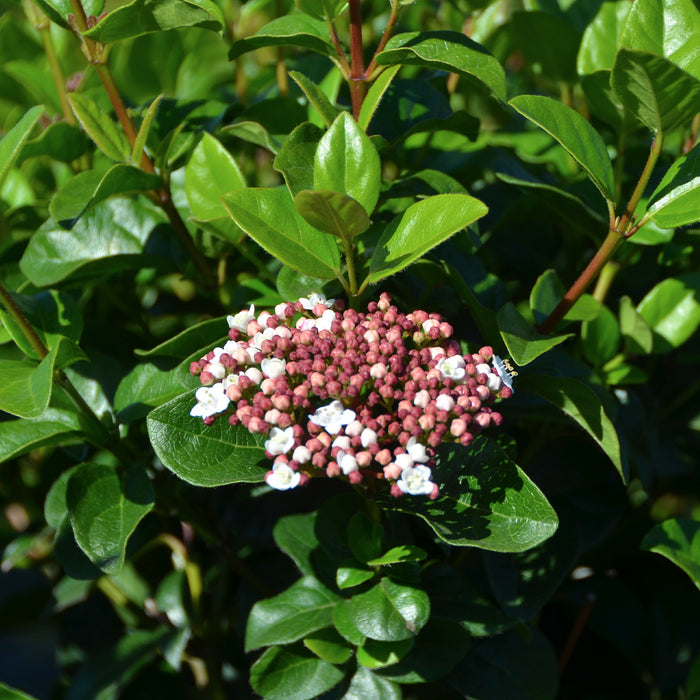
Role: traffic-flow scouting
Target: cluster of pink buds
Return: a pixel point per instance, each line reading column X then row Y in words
column 343, row 393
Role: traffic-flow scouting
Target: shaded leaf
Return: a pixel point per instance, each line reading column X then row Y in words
column 677, row 539
column 332, row 212
column 110, row 139
column 374, row 96
column 295, row 159
column 316, row 97
column 12, row 142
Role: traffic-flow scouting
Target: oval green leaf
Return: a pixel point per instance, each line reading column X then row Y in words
column 678, row 540
column 12, row 142
column 110, row 139
column 676, row 201
column 332, row 212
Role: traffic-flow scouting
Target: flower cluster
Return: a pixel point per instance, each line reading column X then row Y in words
column 343, row 393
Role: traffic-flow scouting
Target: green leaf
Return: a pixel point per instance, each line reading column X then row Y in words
column 322, row 8
column 374, row 654
column 676, row 201
column 672, row 311
column 269, row 218
column 600, row 338
column 110, row 139
column 449, row 51
column 421, row 227
column 290, row 30
column 58, row 10
column 328, row 645
column 295, row 536
column 657, row 92
column 485, row 500
column 316, row 97
column 374, row 96
column 211, row 172
column 108, row 239
column 138, row 149
column 365, row 537
column 352, row 575
column 575, row 134
column 144, row 16
column 194, row 337
column 295, row 159
column 12, row 142
column 545, row 295
column 105, row 507
column 581, row 403
column 677, row 539
column 55, row 505
column 204, row 455
column 60, row 141
column 306, row 606
column 523, row 341
column 635, row 330
column 396, row 555
column 600, row 39
column 7, row 693
column 346, row 161
column 345, row 626
column 332, row 212
column 90, row 187
column 253, row 132
column 292, row 673
column 389, row 612
column 293, row 285
column 365, row 684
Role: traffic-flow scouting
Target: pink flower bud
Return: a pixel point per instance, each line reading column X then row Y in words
column 392, row 471
column 427, row 421
column 332, row 469
column 364, row 459
column 233, row 391
column 383, row 457
column 301, row 454
column 355, row 478
column 458, row 427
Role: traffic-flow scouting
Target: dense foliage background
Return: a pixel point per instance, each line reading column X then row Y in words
column 479, row 160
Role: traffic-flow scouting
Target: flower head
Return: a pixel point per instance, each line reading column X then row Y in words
column 416, row 481
column 282, row 477
column 280, row 442
column 333, row 417
column 241, row 320
column 210, row 401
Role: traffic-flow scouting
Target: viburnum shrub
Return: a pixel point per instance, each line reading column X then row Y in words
column 259, row 264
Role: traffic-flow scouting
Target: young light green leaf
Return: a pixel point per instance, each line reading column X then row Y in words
column 320, row 9
column 657, row 92
column 347, row 161
column 253, row 132
column 351, row 575
column 140, row 17
column 374, row 96
column 110, row 139
column 677, row 539
column 446, row 50
column 402, row 553
column 295, row 159
column 676, row 201
column 523, row 341
column 268, row 216
column 105, row 506
column 12, row 142
column 600, row 39
column 58, row 10
column 374, row 654
column 577, row 136
column 316, row 97
column 672, row 310
column 144, row 130
column 581, row 403
column 290, row 30
column 421, row 227
column 333, row 212
column 211, row 172
column 204, row 455
column 90, row 187
column 635, row 330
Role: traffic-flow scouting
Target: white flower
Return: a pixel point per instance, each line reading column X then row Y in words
column 230, row 346
column 452, row 367
column 342, row 441
column 504, row 372
column 416, row 450
column 346, row 462
column 325, row 321
column 229, row 380
column 333, row 417
column 313, row 299
column 273, row 367
column 210, row 401
column 404, row 461
column 280, row 441
column 242, row 319
column 494, row 382
column 368, row 437
column 282, row 477
column 217, row 369
column 416, row 481
column 429, row 324
column 254, row 374
column 444, row 402
column 301, row 454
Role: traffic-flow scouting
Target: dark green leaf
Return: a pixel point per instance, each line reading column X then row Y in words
column 578, row 137
column 365, row 537
column 254, row 133
column 446, row 50
column 193, row 338
column 295, row 536
column 90, row 187
column 485, row 500
column 322, row 8
column 421, row 227
column 316, row 97
column 110, row 139
column 60, row 141
column 676, row 201
column 365, row 684
column 138, row 149
column 105, row 507
column 12, row 142
column 374, row 96
column 635, row 330
column 328, row 645
column 332, row 212
column 600, row 338
column 204, row 455
column 402, row 553
column 269, row 218
column 295, row 159
column 144, row 16
column 344, row 624
column 292, row 285
column 352, row 575
column 374, row 654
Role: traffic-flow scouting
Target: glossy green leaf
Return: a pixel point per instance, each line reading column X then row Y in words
column 12, row 142
column 600, row 337
column 55, row 505
column 320, row 9
column 316, row 97
column 254, row 132
column 352, row 575
column 449, row 51
column 204, row 455
column 583, row 405
column 294, row 285
column 672, row 311
column 545, row 295
column 346, row 161
column 676, row 201
column 306, row 606
column 328, row 645
column 211, row 172
column 60, row 141
column 58, row 10
column 600, row 39
column 402, row 553
column 138, row 149
column 7, row 693
column 144, row 16
column 374, row 96
column 635, row 330
column 295, row 159
column 332, row 212
column 269, row 218
column 678, row 540
column 523, row 341
column 389, row 612
column 295, row 536
column 292, row 673
column 290, row 30
column 90, row 187
column 105, row 507
column 421, row 227
column 344, row 624
column 108, row 239
column 657, row 92
column 575, row 134
column 374, row 654
column 485, row 500
column 110, row 138
column 366, row 684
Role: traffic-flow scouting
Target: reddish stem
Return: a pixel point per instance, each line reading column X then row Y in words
column 357, row 61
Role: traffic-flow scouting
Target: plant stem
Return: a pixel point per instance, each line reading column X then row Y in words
column 357, row 60
column 654, row 154
column 21, row 320
column 605, row 280
column 388, row 31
